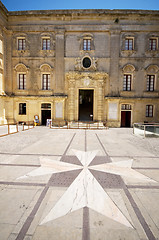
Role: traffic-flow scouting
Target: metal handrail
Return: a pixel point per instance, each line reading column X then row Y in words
column 85, row 125
column 29, row 123
column 144, row 125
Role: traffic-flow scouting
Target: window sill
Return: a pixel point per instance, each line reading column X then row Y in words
column 46, row 51
column 131, row 51
column 21, row 92
column 45, row 92
column 87, row 51
column 151, row 93
column 153, row 51
column 128, row 52
column 127, row 93
column 22, row 51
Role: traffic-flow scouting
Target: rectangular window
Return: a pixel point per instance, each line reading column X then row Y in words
column 46, row 44
column 46, row 81
column 21, row 44
column 22, row 81
column 22, row 108
column 45, row 105
column 153, row 44
column 150, row 82
column 127, row 83
column 86, row 44
column 126, row 107
column 129, row 44
column 149, row 110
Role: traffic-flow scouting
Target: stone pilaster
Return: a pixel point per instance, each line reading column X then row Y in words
column 59, row 61
column 71, row 99
column 2, row 87
column 114, row 62
column 100, row 100
column 8, row 62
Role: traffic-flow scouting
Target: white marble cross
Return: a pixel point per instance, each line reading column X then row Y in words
column 85, row 191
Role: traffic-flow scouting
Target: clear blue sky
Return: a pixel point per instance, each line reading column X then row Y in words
column 18, row 5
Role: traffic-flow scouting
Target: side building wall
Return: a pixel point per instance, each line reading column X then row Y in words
column 3, row 25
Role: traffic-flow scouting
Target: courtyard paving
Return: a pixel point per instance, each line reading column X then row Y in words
column 59, row 184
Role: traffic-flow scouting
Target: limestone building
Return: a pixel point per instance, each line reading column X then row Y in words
column 100, row 65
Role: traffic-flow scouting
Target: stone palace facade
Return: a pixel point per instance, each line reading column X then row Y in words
column 79, row 65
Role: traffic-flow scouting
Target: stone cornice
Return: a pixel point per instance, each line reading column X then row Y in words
column 129, row 97
column 74, row 13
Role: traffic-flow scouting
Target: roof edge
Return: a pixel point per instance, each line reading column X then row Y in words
column 4, row 9
column 81, row 12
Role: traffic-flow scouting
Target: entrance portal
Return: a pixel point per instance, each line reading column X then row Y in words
column 86, row 105
column 45, row 112
column 125, row 118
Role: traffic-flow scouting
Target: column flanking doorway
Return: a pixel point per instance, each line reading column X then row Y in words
column 86, row 105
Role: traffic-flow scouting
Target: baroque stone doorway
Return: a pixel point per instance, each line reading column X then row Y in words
column 86, row 105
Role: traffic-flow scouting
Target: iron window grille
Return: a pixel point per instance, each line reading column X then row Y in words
column 150, row 83
column 153, row 44
column 22, row 81
column 46, row 44
column 125, row 107
column 127, row 83
column 129, row 44
column 149, row 110
column 46, row 81
column 21, row 44
column 86, row 44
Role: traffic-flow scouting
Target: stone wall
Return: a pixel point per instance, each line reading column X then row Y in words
column 107, row 31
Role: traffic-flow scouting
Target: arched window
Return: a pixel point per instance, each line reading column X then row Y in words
column 22, row 72
column 151, row 77
column 46, row 76
column 128, row 72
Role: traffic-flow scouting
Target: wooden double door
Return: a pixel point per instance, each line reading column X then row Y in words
column 125, row 118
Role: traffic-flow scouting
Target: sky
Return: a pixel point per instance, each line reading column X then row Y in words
column 19, row 5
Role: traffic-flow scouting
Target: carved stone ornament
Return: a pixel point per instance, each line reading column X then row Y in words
column 86, row 63
column 86, row 81
column 129, row 68
column 20, row 67
column 87, row 78
column 152, row 69
column 45, row 67
column 78, row 65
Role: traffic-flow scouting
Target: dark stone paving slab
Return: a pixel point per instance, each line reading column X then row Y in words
column 71, row 159
column 64, row 179
column 108, row 180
